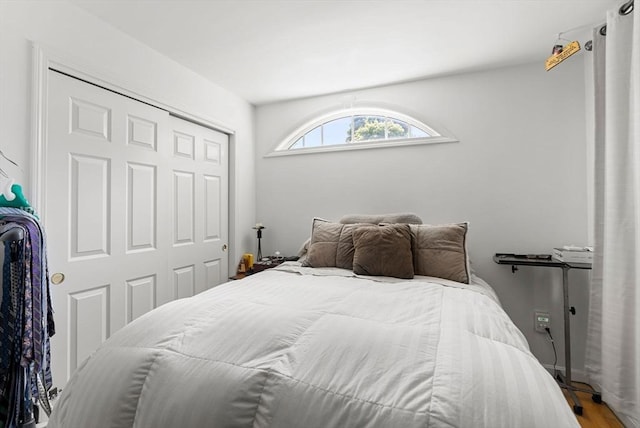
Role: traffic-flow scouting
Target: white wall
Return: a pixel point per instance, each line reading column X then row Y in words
column 518, row 175
column 66, row 29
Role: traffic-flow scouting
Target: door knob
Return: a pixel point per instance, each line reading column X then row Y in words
column 57, row 278
column 224, row 247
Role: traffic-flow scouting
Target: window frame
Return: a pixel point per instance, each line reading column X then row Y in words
column 435, row 136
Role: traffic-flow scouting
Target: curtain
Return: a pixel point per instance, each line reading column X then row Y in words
column 613, row 338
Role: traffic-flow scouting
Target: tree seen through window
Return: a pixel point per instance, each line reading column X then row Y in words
column 359, row 129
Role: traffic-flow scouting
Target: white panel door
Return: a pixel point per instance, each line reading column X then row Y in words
column 136, row 213
column 200, row 207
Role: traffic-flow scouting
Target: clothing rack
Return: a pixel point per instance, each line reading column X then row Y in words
column 26, row 320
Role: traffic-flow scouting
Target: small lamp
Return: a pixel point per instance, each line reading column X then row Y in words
column 258, row 227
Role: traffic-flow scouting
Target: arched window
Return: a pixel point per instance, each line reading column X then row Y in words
column 358, row 129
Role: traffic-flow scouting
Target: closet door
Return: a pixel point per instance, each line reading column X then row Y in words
column 136, row 213
column 199, row 191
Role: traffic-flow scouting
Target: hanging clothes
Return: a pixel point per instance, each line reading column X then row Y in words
column 26, row 317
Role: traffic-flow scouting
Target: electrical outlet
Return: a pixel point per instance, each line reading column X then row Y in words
column 541, row 321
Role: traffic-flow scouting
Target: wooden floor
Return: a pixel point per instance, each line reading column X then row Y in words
column 593, row 415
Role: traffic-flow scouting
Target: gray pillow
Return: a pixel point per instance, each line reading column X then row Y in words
column 441, row 251
column 408, row 218
column 383, row 250
column 331, row 245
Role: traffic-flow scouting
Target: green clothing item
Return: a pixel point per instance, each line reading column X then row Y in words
column 18, row 202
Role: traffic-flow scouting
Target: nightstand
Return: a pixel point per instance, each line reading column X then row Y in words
column 271, row 262
column 545, row 260
column 266, row 264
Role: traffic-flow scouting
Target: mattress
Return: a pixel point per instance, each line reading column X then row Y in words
column 305, row 347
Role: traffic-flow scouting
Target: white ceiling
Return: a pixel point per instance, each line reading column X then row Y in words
column 271, row 50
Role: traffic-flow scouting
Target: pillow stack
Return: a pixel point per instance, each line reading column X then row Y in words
column 398, row 250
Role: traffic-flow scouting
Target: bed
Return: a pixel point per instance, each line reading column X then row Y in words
column 306, row 346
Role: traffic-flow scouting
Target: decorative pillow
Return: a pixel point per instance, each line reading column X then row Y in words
column 441, row 251
column 408, row 218
column 331, row 245
column 383, row 250
column 304, row 249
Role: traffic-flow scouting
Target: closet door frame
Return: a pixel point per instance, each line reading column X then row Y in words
column 43, row 59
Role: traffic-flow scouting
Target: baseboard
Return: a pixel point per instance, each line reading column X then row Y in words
column 576, row 375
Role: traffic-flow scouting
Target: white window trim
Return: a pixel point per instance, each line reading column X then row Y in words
column 283, row 149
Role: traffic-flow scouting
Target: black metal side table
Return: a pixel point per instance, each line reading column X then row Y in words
column 545, row 260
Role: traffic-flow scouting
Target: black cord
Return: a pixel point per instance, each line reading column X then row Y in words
column 555, row 354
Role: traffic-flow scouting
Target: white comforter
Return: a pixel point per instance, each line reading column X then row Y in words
column 285, row 348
